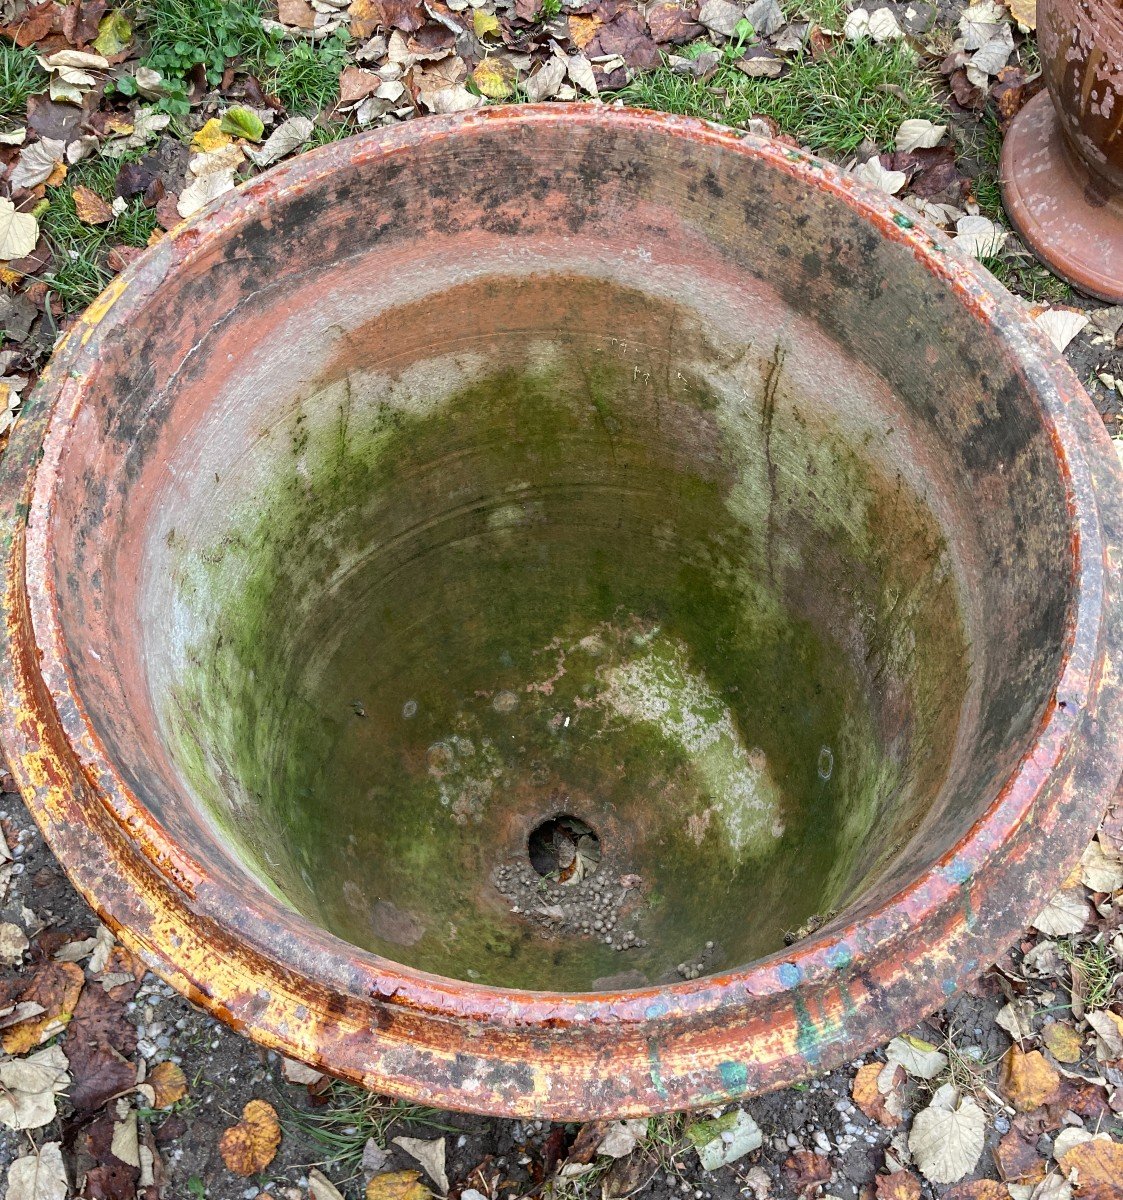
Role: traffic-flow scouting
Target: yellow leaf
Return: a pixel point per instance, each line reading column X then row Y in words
column 56, row 176
column 1027, row 1079
column 495, row 78
column 169, row 1084
column 484, row 23
column 250, row 1146
column 1063, row 1042
column 1024, row 12
column 397, row 1185
column 211, row 137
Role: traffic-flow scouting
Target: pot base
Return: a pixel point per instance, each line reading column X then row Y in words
column 1071, row 219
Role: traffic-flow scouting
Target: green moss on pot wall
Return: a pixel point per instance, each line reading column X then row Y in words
column 463, row 599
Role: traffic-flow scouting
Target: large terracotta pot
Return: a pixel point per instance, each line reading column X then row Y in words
column 474, row 591
column 1062, row 161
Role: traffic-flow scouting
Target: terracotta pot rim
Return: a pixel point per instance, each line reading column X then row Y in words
column 51, row 741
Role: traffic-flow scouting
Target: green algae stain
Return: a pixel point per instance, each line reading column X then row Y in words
column 452, row 611
column 734, row 1077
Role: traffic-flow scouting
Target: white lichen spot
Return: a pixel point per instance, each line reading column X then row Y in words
column 659, row 687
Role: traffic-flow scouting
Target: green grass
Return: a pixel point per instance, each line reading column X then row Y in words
column 306, row 80
column 79, row 270
column 1095, row 964
column 21, row 76
column 860, row 91
column 1026, row 276
column 830, row 14
column 354, row 1115
column 184, row 34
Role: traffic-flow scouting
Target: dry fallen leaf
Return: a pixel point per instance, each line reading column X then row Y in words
column 1101, row 868
column 1067, row 913
column 13, row 942
column 430, row 1154
column 56, row 986
column 874, row 175
column 887, row 1108
column 125, row 1144
column 977, row 1189
column 397, row 1185
column 37, row 163
column 1024, row 12
column 1063, row 1042
column 1027, row 1080
column 946, row 1138
column 320, row 1187
column 1095, row 1169
column 286, row 138
column 979, row 236
column 168, row 1083
column 495, row 77
column 1062, row 325
column 1109, row 1034
column 901, row 1185
column 39, row 1176
column 28, row 1087
column 918, row 134
column 250, row 1146
column 91, row 210
column 1017, row 1019
column 919, row 1058
column 622, row 1137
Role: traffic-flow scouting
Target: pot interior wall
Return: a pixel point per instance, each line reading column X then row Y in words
column 525, row 579
column 442, row 539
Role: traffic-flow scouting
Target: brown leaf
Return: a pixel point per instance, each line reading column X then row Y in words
column 626, row 34
column 119, row 257
column 90, row 207
column 397, row 1185
column 56, row 986
column 673, row 24
column 250, row 1146
column 1017, row 1158
column 965, row 93
column 885, row 1109
column 168, row 1082
column 1027, row 1079
column 901, row 1185
column 822, row 42
column 589, row 1137
column 100, row 1043
column 978, row 1189
column 120, row 965
column 355, row 84
column 406, row 15
column 629, row 1175
column 805, row 1169
column 34, row 25
column 298, row 14
column 80, row 20
column 365, row 17
column 1094, row 1169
